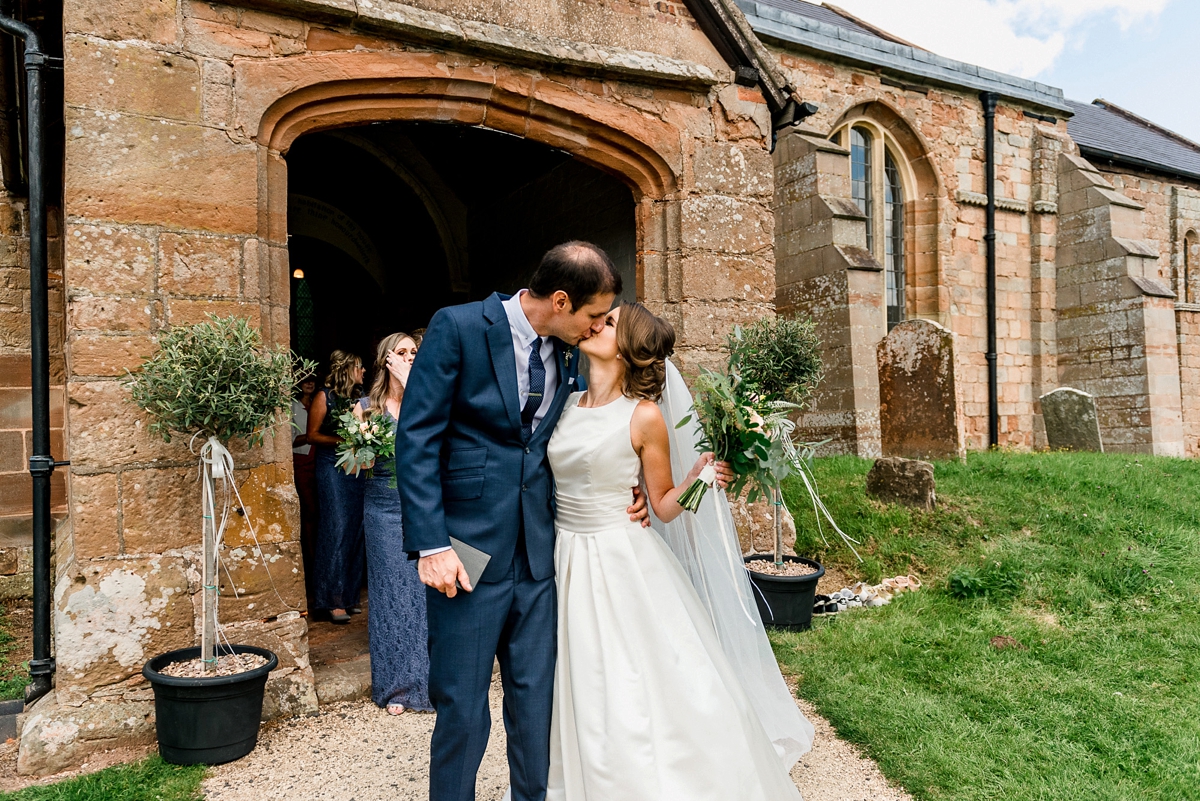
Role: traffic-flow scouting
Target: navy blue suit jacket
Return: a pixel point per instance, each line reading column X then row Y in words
column 465, row 469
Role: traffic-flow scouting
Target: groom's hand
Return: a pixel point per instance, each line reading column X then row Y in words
column 441, row 571
column 638, row 512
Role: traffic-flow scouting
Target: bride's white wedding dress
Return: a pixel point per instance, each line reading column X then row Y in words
column 646, row 703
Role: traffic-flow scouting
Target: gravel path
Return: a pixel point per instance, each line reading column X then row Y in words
column 355, row 751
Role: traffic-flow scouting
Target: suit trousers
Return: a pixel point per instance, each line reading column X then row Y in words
column 513, row 620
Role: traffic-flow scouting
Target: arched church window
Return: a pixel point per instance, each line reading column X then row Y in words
column 861, row 178
column 879, row 172
column 893, row 248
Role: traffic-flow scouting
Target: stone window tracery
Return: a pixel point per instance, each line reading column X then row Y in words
column 893, row 254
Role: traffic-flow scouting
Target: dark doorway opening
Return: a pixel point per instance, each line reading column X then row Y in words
column 388, row 223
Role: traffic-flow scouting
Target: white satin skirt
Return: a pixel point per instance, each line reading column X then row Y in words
column 645, row 703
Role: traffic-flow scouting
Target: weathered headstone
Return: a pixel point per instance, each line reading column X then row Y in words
column 906, row 481
column 919, row 414
column 1071, row 420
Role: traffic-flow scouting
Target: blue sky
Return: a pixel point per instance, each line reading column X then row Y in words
column 1143, row 55
column 1152, row 68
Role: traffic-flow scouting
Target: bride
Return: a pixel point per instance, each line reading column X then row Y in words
column 665, row 686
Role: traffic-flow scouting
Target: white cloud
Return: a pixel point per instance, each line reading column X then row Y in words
column 1020, row 37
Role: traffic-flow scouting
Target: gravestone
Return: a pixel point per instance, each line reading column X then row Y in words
column 919, row 415
column 1071, row 420
column 907, row 481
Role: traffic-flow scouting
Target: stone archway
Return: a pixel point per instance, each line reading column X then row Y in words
column 282, row 100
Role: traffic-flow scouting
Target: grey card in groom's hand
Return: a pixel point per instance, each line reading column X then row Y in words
column 473, row 559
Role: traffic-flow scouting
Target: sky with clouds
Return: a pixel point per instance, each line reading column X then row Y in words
column 1143, row 55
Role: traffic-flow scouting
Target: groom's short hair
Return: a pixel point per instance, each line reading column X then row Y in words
column 580, row 269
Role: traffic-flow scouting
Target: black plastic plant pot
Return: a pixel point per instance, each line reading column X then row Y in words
column 208, row 720
column 785, row 601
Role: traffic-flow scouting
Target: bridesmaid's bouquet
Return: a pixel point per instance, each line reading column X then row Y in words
column 744, row 413
column 364, row 442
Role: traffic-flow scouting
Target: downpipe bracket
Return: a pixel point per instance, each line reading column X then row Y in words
column 38, row 60
column 44, row 465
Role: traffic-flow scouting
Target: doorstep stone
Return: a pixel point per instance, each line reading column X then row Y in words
column 343, row 681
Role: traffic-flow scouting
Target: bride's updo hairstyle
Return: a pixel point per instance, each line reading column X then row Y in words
column 644, row 341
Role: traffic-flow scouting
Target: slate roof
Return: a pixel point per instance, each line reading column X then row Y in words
column 806, row 26
column 819, row 13
column 1106, row 132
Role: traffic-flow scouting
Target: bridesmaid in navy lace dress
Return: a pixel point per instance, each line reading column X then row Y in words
column 338, row 568
column 396, row 608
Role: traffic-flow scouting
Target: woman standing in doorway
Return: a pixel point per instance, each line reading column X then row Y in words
column 338, row 566
column 396, row 614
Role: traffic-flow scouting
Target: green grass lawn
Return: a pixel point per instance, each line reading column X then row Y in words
column 1091, row 562
column 148, row 780
column 14, row 675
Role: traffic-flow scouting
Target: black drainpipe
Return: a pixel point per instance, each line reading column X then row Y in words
column 989, row 238
column 41, row 463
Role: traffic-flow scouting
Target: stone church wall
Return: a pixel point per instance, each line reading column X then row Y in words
column 178, row 121
column 940, row 134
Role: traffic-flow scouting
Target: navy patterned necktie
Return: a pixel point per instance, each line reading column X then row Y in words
column 537, row 387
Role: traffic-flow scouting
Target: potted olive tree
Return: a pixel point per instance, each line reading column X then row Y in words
column 213, row 382
column 747, row 416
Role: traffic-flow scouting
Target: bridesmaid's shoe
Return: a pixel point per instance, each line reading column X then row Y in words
column 355, row 610
column 339, row 617
column 395, row 709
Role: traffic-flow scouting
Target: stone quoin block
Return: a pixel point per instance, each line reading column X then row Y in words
column 160, row 507
column 200, row 265
column 103, row 259
column 148, row 20
column 189, row 176
column 133, row 78
column 110, row 355
column 112, row 616
column 108, row 430
column 95, row 509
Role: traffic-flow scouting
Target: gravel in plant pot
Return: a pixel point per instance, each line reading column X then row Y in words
column 213, row 382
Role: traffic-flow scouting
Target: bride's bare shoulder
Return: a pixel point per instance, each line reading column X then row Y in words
column 648, row 422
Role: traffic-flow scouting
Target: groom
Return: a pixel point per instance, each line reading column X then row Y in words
column 485, row 393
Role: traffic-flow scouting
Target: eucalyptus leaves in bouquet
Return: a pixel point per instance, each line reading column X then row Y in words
column 216, row 378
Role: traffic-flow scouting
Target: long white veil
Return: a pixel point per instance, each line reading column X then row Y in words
column 706, row 544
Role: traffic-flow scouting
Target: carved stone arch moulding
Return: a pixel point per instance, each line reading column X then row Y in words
column 281, row 99
column 922, row 179
column 608, row 136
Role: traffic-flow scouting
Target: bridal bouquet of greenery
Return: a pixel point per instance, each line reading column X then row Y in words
column 364, row 442
column 744, row 413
